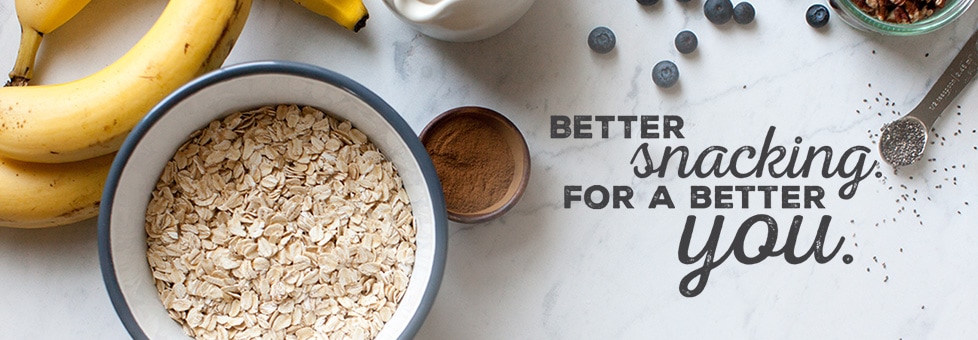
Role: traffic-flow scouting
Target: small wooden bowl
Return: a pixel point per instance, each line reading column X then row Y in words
column 519, row 151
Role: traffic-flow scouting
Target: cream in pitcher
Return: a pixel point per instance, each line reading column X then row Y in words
column 459, row 20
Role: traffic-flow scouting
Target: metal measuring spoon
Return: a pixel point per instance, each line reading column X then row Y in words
column 902, row 141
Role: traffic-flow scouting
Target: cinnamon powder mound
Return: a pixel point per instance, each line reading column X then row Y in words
column 473, row 162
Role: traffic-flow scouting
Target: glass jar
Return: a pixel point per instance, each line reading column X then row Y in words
column 855, row 17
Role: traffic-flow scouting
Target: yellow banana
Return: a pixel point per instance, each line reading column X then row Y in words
column 91, row 116
column 351, row 14
column 37, row 195
column 37, row 18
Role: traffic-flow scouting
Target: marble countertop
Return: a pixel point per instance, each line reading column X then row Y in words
column 892, row 261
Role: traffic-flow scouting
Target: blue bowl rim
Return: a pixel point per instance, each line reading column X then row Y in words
column 404, row 130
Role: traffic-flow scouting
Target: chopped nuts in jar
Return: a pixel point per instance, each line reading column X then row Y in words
column 280, row 223
column 899, row 11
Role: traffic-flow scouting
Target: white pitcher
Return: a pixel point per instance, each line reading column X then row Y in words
column 459, row 20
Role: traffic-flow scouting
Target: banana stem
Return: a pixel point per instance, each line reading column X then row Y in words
column 30, row 42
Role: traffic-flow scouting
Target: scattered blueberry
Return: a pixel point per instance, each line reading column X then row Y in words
column 817, row 15
column 665, row 74
column 647, row 2
column 743, row 13
column 601, row 40
column 686, row 42
column 718, row 11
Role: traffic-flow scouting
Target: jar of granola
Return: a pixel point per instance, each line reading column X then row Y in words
column 900, row 18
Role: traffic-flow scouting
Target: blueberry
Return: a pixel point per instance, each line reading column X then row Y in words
column 718, row 11
column 601, row 40
column 665, row 74
column 686, row 42
column 647, row 2
column 817, row 15
column 743, row 13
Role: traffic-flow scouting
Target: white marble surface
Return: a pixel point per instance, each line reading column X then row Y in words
column 548, row 272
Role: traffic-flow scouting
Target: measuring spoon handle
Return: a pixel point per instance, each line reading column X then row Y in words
column 962, row 69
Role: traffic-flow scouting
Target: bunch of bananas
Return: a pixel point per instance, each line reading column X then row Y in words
column 57, row 142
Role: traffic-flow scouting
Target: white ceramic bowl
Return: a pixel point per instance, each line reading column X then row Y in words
column 121, row 232
column 459, row 20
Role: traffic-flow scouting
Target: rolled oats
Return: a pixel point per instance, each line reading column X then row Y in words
column 280, row 222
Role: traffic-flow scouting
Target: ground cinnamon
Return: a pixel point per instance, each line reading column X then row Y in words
column 473, row 162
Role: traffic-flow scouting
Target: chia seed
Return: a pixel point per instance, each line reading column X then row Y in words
column 902, row 141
